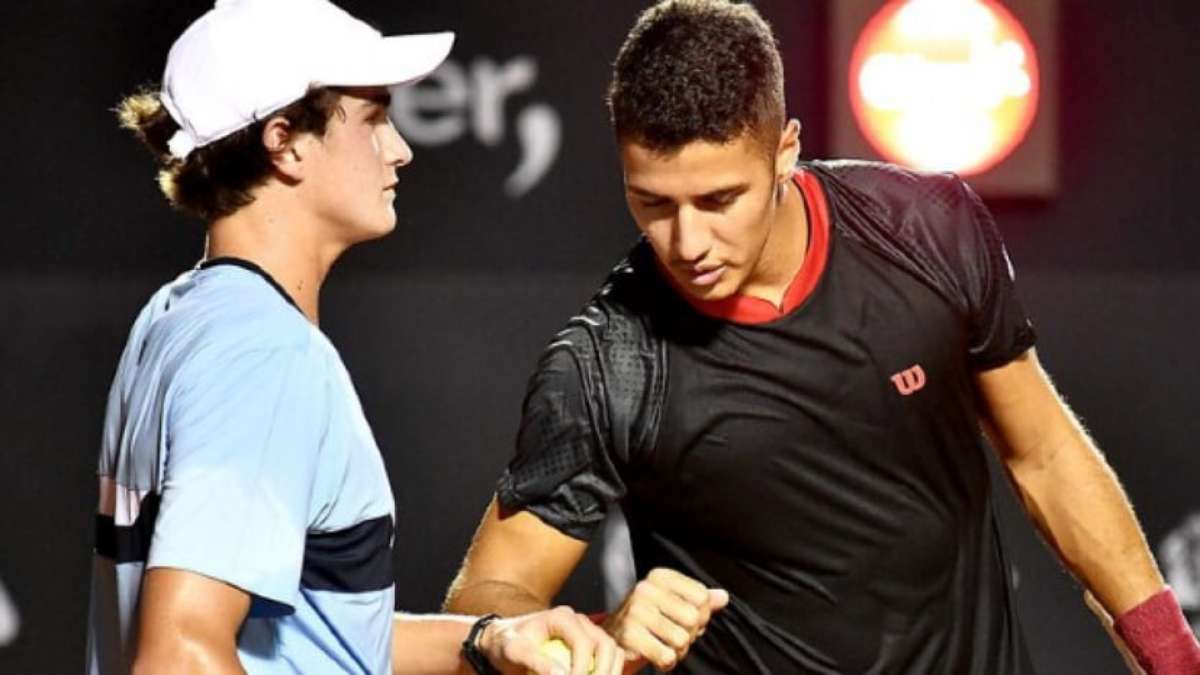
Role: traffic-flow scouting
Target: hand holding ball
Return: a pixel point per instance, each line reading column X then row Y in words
column 557, row 651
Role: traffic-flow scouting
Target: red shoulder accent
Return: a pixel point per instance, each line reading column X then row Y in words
column 818, row 250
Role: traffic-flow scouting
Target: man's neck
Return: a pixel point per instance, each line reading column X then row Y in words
column 286, row 247
column 784, row 251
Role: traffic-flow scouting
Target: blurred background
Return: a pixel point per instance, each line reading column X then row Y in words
column 512, row 214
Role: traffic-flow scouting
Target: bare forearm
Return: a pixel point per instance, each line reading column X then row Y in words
column 1075, row 499
column 499, row 597
column 430, row 645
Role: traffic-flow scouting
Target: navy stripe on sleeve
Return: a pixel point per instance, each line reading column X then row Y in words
column 354, row 560
column 127, row 543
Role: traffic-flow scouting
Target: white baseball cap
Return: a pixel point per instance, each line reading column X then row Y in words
column 245, row 59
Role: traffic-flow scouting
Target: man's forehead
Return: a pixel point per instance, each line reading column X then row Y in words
column 698, row 168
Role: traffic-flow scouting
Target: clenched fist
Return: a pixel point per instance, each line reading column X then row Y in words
column 663, row 615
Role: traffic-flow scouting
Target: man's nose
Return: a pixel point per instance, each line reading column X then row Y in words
column 396, row 150
column 691, row 238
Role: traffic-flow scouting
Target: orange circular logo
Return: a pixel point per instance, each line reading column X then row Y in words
column 945, row 85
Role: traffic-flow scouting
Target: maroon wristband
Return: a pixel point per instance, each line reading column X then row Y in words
column 598, row 618
column 1159, row 637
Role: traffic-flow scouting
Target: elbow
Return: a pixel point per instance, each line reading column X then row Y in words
column 1025, row 464
column 453, row 603
column 1037, row 456
column 472, row 594
column 454, row 595
column 464, row 598
column 492, row 595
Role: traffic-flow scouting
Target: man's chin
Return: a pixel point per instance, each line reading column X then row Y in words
column 724, row 287
column 360, row 235
column 382, row 228
column 715, row 293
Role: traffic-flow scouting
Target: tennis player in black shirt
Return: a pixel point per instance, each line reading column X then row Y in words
column 784, row 386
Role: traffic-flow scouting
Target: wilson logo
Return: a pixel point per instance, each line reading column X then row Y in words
column 910, row 381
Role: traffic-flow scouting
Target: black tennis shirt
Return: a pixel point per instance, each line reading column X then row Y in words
column 823, row 462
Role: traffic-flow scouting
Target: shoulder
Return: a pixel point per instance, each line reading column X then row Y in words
column 627, row 303
column 232, row 306
column 218, row 317
column 892, row 190
column 930, row 224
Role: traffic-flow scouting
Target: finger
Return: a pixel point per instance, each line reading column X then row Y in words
column 581, row 658
column 647, row 603
column 718, row 598
column 616, row 663
column 694, row 618
column 682, row 585
column 606, row 649
column 675, row 610
column 574, row 630
column 547, row 624
column 668, row 632
column 564, row 623
column 641, row 643
column 621, row 660
column 523, row 653
column 684, row 614
column 604, row 656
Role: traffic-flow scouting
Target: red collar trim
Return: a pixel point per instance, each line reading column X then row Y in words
column 747, row 309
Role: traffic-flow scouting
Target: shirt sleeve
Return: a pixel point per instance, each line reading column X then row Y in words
column 562, row 471
column 1000, row 329
column 243, row 437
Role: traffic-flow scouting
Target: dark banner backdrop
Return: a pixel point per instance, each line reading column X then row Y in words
column 509, row 217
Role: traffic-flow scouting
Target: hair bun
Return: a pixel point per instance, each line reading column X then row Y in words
column 144, row 114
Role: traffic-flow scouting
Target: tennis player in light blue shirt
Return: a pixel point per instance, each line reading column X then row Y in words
column 245, row 520
column 232, row 442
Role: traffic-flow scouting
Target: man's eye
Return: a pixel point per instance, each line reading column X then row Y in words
column 652, row 203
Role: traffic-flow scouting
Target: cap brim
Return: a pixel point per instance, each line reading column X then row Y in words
column 399, row 60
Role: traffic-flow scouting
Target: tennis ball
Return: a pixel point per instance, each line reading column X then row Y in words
column 557, row 651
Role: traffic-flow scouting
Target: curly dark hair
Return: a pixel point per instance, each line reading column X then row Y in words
column 697, row 70
column 217, row 179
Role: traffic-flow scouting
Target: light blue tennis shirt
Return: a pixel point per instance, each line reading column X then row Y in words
column 235, row 447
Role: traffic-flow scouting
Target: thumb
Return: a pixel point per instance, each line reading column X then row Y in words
column 717, row 598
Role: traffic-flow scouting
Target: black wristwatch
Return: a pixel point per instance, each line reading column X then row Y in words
column 470, row 647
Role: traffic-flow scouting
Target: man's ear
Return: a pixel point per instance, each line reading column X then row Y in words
column 788, row 152
column 285, row 148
